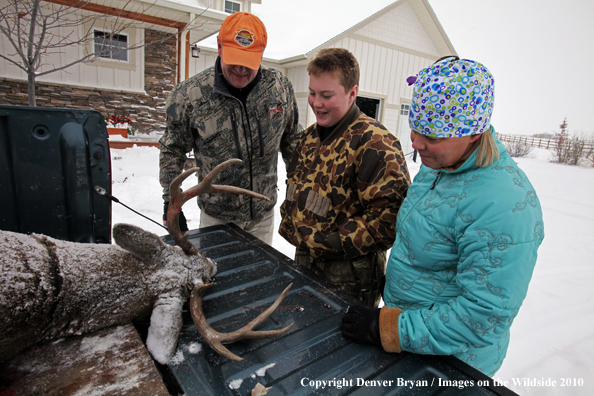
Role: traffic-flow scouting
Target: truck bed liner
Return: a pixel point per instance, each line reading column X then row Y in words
column 251, row 275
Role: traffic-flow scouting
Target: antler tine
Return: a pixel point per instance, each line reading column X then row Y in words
column 216, row 339
column 178, row 198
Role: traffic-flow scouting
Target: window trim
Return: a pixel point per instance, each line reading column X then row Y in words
column 120, row 34
column 130, row 64
column 403, row 109
column 233, row 3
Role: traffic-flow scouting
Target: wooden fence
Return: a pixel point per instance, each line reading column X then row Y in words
column 548, row 144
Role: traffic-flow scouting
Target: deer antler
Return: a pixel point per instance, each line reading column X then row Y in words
column 178, row 198
column 216, row 339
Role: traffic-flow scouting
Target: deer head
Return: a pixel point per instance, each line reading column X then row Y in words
column 52, row 288
column 210, row 336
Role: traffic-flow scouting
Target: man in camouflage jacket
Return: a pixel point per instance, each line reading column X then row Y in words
column 222, row 113
column 345, row 184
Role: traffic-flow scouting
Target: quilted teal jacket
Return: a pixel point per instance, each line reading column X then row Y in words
column 464, row 253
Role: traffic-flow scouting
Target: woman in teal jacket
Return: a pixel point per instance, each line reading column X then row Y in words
column 467, row 233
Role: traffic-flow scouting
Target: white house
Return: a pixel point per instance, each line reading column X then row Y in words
column 134, row 82
column 391, row 45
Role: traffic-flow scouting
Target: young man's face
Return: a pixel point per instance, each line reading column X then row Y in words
column 238, row 76
column 328, row 99
column 437, row 153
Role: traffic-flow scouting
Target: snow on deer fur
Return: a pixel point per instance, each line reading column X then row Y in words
column 52, row 288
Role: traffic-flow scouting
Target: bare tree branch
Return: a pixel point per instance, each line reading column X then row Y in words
column 37, row 30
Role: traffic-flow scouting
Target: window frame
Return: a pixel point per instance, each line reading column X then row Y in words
column 371, row 99
column 130, row 65
column 233, row 4
column 403, row 109
column 126, row 51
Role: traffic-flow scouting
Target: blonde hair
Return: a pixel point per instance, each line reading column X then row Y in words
column 487, row 151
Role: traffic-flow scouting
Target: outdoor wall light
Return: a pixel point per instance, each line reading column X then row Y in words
column 195, row 51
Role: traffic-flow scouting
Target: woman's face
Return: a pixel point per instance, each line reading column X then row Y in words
column 328, row 99
column 437, row 153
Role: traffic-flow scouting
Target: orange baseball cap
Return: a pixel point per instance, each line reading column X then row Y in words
column 243, row 37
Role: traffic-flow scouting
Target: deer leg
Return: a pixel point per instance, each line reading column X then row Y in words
column 166, row 323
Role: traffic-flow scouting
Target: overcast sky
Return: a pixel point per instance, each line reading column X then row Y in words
column 541, row 52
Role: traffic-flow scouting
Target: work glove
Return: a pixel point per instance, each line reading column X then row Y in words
column 382, row 285
column 183, row 224
column 361, row 324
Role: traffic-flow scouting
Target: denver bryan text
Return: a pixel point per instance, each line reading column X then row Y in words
column 343, row 382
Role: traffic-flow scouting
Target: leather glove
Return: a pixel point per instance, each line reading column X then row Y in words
column 382, row 285
column 183, row 224
column 361, row 324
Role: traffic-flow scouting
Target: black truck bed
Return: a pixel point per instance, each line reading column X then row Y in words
column 251, row 276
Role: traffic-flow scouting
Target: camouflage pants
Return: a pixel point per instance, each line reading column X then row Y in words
column 361, row 277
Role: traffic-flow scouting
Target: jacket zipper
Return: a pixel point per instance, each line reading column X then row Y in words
column 260, row 137
column 436, row 180
column 249, row 150
column 236, row 135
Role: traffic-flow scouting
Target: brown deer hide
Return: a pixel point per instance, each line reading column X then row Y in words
column 52, row 288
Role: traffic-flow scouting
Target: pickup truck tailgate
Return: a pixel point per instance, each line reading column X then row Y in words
column 250, row 277
column 51, row 161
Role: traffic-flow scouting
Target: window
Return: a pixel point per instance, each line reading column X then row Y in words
column 369, row 106
column 111, row 46
column 403, row 130
column 232, row 6
column 404, row 109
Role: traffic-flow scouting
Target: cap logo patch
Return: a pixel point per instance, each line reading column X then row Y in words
column 244, row 37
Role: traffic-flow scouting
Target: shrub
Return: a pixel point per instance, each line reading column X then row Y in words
column 590, row 156
column 572, row 150
column 117, row 119
column 517, row 149
column 561, row 148
column 544, row 135
column 576, row 151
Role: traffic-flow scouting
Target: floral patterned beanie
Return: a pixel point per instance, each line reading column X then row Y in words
column 452, row 98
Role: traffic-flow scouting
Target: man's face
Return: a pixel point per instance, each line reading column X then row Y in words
column 437, row 153
column 328, row 99
column 237, row 76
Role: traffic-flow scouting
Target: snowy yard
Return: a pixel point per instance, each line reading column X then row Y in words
column 553, row 336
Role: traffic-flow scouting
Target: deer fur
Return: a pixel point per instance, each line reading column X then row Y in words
column 52, row 288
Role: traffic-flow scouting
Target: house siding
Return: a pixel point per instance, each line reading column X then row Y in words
column 145, row 107
column 401, row 27
column 389, row 46
column 389, row 49
column 102, row 74
column 383, row 76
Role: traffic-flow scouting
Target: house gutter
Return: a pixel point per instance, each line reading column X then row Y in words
column 200, row 11
column 120, row 13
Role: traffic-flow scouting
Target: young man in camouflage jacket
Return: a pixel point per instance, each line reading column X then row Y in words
column 345, row 184
column 235, row 109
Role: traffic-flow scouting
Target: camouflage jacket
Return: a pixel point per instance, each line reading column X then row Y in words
column 203, row 116
column 352, row 183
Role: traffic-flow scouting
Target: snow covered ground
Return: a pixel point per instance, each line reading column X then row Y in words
column 552, row 339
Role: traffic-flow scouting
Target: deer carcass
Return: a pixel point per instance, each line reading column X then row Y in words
column 52, row 288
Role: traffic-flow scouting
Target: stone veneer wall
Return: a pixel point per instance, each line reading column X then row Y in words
column 146, row 110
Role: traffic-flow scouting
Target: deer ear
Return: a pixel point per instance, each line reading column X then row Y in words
column 143, row 244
